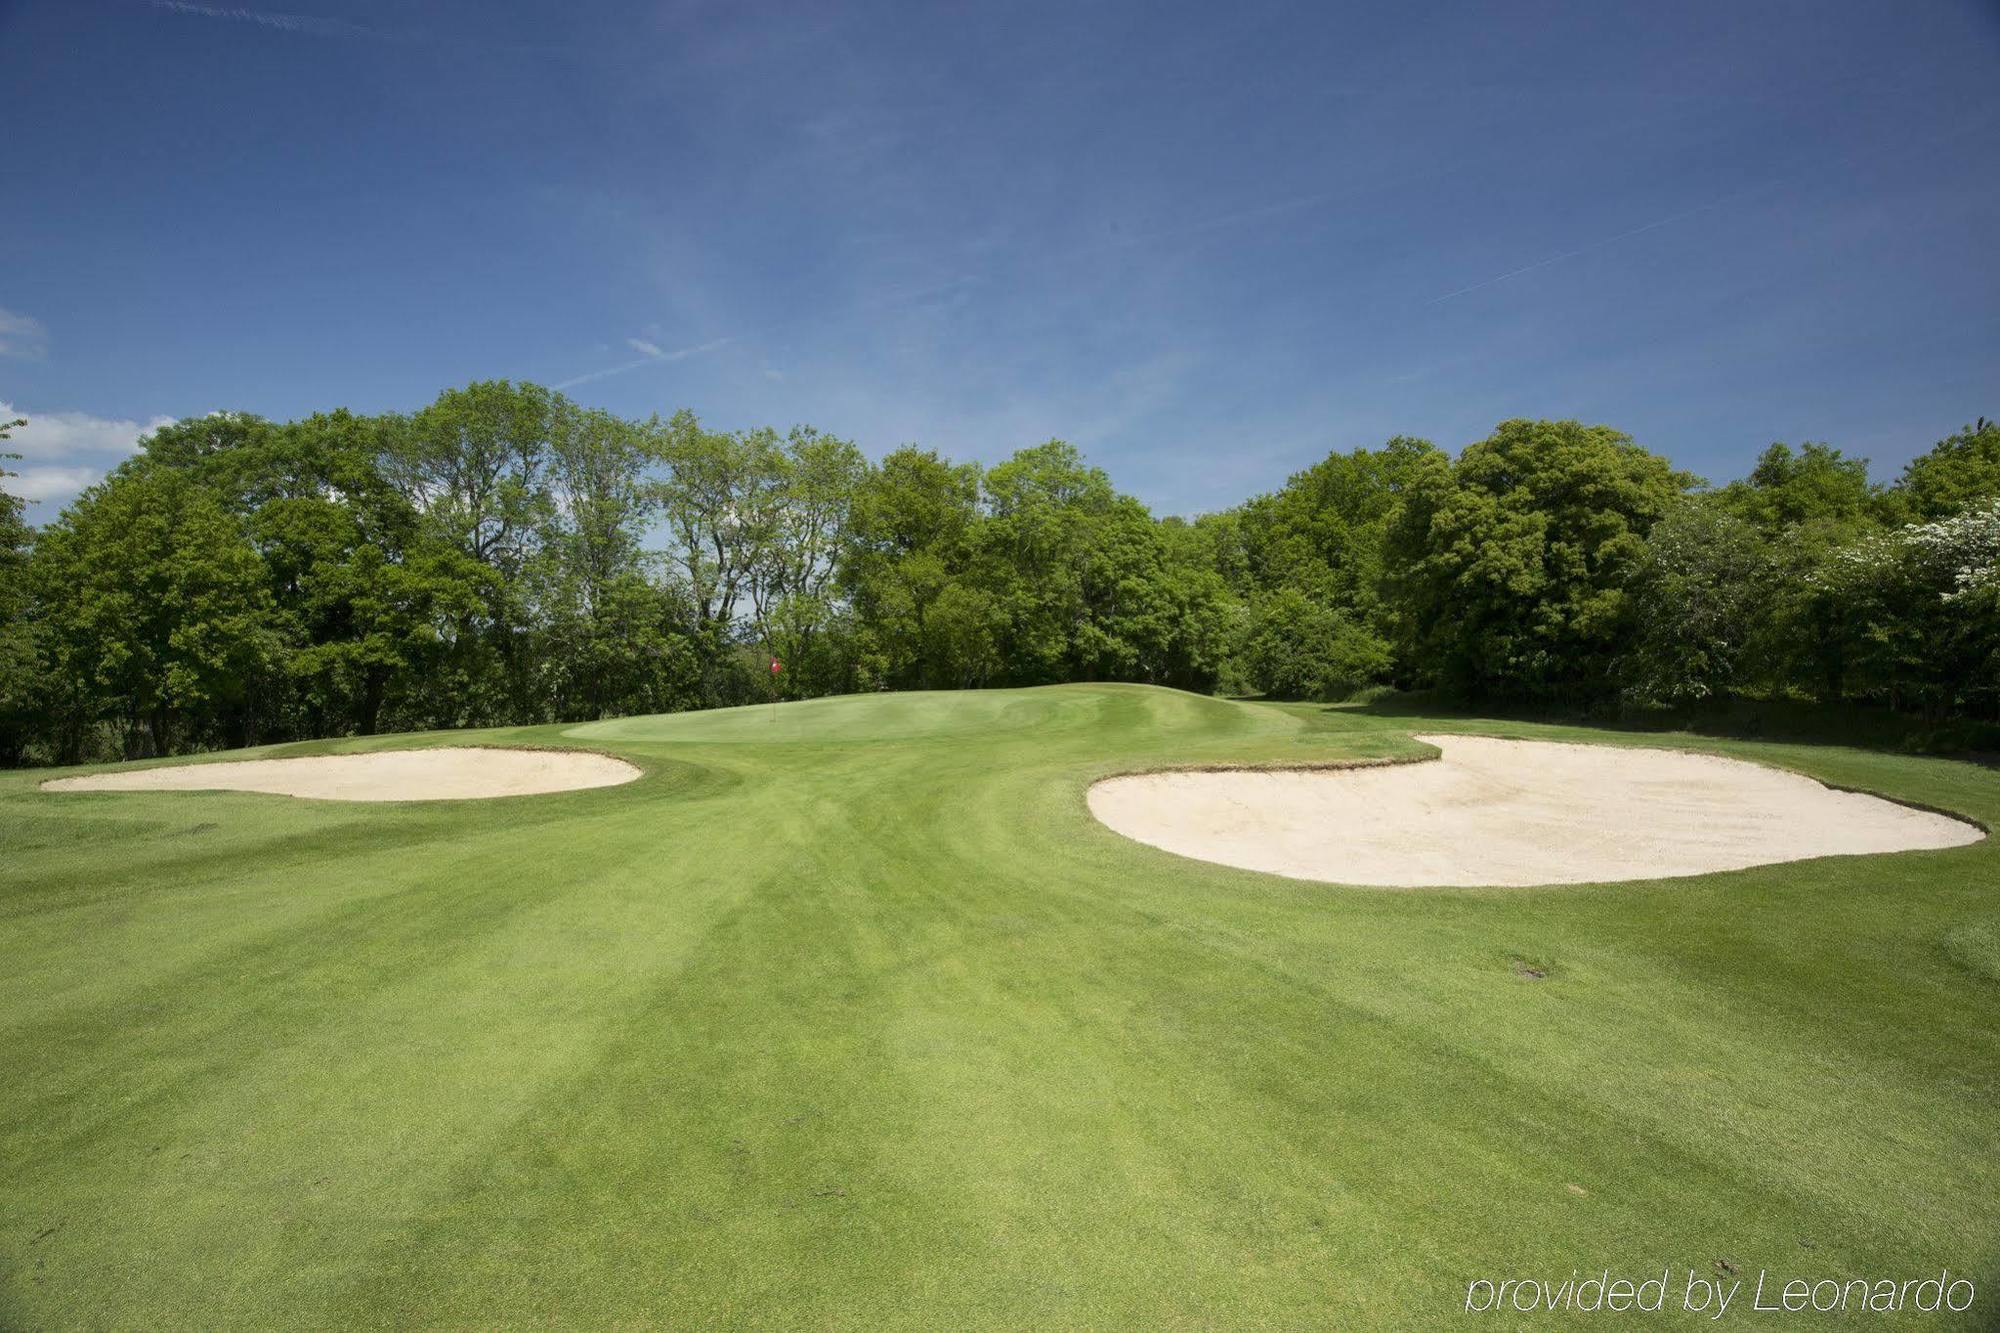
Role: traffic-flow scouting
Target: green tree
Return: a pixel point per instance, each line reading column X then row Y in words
column 792, row 585
column 475, row 465
column 153, row 609
column 717, row 497
column 598, row 501
column 235, row 456
column 363, row 592
column 1323, row 537
column 364, row 595
column 1046, row 514
column 634, row 653
column 1327, row 526
column 719, row 501
column 1705, row 586
column 1300, row 647
column 1085, row 584
column 1513, row 561
column 1958, row 471
column 1817, row 495
column 912, row 533
column 603, row 630
column 1166, row 599
column 1920, row 609
column 20, row 672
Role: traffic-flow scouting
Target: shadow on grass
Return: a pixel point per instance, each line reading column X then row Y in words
column 1789, row 720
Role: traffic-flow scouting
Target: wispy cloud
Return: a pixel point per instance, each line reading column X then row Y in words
column 905, row 295
column 22, row 336
column 651, row 354
column 312, row 25
column 52, row 483
column 304, row 24
column 63, row 452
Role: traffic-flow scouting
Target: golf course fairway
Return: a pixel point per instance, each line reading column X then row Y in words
column 848, row 1013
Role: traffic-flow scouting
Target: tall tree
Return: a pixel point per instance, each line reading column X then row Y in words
column 598, row 495
column 1155, row 609
column 1918, row 608
column 1513, row 561
column 1047, row 508
column 611, row 639
column 719, row 502
column 361, row 590
column 1957, row 472
column 1311, row 572
column 791, row 583
column 1816, row 494
column 1705, row 583
column 20, row 674
column 913, row 533
column 153, row 607
column 1203, row 615
column 475, row 465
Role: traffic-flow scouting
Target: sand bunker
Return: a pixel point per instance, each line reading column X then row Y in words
column 449, row 773
column 1512, row 812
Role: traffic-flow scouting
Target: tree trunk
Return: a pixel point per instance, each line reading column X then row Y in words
column 372, row 689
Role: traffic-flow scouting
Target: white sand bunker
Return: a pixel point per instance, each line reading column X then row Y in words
column 1512, row 812
column 449, row 773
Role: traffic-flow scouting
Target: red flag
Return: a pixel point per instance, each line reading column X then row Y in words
column 776, row 666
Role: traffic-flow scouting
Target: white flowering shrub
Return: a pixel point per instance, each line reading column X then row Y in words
column 1966, row 546
column 1919, row 607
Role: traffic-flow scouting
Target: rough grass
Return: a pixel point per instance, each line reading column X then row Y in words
column 852, row 1016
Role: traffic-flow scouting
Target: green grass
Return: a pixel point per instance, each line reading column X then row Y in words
column 853, row 1016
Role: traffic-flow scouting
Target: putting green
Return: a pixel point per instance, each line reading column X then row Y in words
column 855, row 1017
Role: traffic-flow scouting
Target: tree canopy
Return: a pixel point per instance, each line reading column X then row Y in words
column 1514, row 562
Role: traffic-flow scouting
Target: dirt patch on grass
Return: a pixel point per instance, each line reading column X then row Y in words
column 446, row 773
column 1507, row 812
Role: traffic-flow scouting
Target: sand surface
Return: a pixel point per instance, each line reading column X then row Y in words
column 448, row 773
column 1512, row 812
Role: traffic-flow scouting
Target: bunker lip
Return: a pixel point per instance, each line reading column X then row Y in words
column 1511, row 813
column 440, row 773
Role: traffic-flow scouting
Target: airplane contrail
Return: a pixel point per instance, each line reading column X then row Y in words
column 304, row 24
column 655, row 358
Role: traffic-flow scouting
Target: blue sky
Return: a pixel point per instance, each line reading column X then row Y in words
column 1206, row 243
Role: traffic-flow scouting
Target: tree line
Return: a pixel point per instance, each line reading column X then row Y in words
column 505, row 556
column 1562, row 565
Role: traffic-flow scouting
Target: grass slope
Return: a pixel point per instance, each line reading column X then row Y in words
column 853, row 1016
